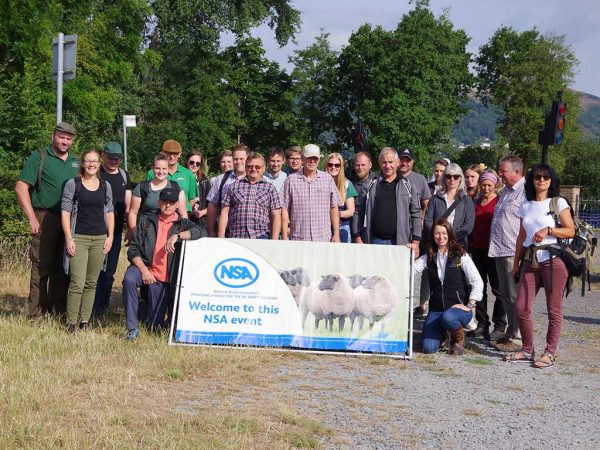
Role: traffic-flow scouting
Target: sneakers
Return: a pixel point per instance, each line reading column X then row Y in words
column 497, row 334
column 71, row 328
column 132, row 335
column 506, row 345
column 85, row 326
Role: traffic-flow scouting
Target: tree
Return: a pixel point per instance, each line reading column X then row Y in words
column 313, row 74
column 408, row 85
column 521, row 73
column 582, row 158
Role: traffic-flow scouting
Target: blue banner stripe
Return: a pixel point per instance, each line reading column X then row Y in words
column 284, row 340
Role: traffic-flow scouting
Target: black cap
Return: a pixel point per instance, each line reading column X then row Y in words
column 407, row 152
column 169, row 195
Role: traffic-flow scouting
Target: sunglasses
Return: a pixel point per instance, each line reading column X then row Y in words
column 540, row 177
column 195, row 163
column 334, row 165
column 452, row 177
column 250, row 167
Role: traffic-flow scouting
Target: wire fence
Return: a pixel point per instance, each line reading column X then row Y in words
column 589, row 211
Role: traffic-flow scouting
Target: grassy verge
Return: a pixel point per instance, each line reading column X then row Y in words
column 94, row 389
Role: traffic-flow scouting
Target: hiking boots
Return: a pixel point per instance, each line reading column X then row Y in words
column 458, row 342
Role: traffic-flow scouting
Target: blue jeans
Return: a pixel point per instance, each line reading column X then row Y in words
column 107, row 277
column 345, row 233
column 438, row 322
column 159, row 296
column 378, row 241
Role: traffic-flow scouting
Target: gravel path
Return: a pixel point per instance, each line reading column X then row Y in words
column 473, row 401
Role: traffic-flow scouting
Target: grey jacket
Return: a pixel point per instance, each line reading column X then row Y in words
column 408, row 212
column 464, row 215
column 71, row 204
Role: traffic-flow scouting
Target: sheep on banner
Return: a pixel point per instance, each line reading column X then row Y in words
column 298, row 295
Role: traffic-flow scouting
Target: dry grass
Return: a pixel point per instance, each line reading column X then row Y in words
column 95, row 389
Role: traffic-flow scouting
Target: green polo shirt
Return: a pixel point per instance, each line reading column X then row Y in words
column 186, row 181
column 54, row 175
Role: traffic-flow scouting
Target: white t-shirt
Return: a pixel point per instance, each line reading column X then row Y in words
column 535, row 216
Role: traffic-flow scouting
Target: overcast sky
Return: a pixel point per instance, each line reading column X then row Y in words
column 578, row 20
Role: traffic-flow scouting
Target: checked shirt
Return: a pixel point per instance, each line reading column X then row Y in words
column 308, row 203
column 250, row 208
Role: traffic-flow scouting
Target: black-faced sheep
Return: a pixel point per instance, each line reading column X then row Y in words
column 336, row 299
column 374, row 300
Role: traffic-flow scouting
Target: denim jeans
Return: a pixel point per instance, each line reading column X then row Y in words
column 345, row 236
column 378, row 241
column 159, row 296
column 438, row 322
column 107, row 276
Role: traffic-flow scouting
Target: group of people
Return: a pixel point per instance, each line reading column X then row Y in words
column 465, row 229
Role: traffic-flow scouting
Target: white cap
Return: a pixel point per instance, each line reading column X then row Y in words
column 311, row 150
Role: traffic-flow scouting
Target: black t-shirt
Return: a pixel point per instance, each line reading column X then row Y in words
column 118, row 186
column 384, row 214
column 90, row 212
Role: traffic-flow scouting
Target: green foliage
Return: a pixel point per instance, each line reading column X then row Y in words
column 477, row 124
column 407, row 84
column 313, row 76
column 582, row 165
column 521, row 73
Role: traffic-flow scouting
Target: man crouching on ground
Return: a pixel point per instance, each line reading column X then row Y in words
column 152, row 263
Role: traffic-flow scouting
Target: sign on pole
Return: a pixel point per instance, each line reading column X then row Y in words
column 64, row 61
column 128, row 121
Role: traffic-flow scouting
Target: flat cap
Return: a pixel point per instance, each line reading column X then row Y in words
column 65, row 128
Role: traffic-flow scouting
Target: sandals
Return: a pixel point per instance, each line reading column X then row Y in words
column 518, row 357
column 545, row 362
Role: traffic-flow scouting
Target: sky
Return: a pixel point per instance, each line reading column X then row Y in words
column 578, row 20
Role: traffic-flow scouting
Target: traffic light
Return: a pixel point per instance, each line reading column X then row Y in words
column 559, row 124
column 554, row 130
column 359, row 137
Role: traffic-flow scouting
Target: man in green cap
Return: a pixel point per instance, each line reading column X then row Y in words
column 39, row 191
column 120, row 184
column 181, row 175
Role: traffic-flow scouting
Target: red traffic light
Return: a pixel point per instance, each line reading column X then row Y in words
column 562, row 109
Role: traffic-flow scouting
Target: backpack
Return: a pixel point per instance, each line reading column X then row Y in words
column 145, row 190
column 577, row 252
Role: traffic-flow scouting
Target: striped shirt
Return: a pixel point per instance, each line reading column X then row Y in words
column 308, row 203
column 506, row 222
column 250, row 208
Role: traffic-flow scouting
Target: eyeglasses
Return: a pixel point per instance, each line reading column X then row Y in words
column 250, row 167
column 452, row 177
column 114, row 158
column 334, row 165
column 195, row 163
column 91, row 161
column 540, row 177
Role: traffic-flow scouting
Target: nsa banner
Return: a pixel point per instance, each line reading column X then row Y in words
column 299, row 295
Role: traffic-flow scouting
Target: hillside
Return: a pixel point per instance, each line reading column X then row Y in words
column 480, row 120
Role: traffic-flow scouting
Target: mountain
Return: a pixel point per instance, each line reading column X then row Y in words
column 479, row 122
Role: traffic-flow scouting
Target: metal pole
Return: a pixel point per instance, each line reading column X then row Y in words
column 545, row 154
column 59, row 77
column 125, row 142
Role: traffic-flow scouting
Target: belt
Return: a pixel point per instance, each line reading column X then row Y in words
column 46, row 210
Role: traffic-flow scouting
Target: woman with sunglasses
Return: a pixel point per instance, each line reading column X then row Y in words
column 88, row 221
column 195, row 162
column 453, row 204
column 334, row 164
column 539, row 266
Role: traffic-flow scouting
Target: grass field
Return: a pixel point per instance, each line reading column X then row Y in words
column 95, row 389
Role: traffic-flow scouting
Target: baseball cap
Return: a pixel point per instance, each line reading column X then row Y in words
column 113, row 148
column 311, row 150
column 65, row 128
column 169, row 195
column 407, row 152
column 172, row 146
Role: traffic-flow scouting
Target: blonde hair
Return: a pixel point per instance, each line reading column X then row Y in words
column 81, row 170
column 340, row 180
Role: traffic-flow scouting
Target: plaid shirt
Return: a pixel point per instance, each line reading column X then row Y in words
column 250, row 208
column 506, row 223
column 308, row 203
